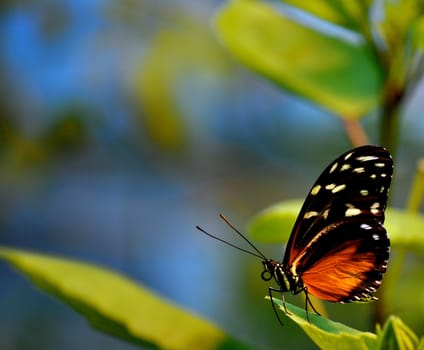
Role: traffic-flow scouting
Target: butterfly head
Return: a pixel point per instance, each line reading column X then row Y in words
column 275, row 270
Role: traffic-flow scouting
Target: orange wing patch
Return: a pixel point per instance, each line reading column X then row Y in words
column 336, row 276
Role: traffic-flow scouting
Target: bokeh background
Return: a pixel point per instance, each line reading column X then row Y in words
column 123, row 124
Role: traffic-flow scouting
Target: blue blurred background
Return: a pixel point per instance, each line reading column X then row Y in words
column 123, row 125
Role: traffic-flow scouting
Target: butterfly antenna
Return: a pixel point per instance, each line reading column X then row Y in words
column 228, row 243
column 259, row 255
column 222, row 216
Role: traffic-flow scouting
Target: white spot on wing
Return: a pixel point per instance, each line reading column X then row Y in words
column 334, row 167
column 364, row 192
column 375, row 237
column 366, row 158
column 359, row 170
column 325, row 213
column 375, row 208
column 345, row 167
column 366, row 227
column 310, row 214
column 353, row 212
column 315, row 190
column 338, row 188
column 330, row 186
column 380, row 165
column 383, row 175
column 348, row 156
column 373, row 176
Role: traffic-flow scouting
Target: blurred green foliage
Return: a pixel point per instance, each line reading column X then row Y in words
column 175, row 56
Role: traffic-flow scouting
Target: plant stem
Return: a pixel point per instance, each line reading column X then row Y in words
column 416, row 194
column 355, row 132
column 389, row 128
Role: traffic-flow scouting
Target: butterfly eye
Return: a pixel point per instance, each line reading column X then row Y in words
column 266, row 274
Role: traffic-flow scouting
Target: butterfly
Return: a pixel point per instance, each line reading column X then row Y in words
column 338, row 249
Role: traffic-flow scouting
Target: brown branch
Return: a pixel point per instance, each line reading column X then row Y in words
column 355, row 132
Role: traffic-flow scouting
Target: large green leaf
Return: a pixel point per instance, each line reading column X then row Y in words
column 339, row 75
column 328, row 334
column 117, row 305
column 274, row 225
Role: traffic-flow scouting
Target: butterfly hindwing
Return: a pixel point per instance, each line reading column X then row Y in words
column 347, row 262
column 338, row 234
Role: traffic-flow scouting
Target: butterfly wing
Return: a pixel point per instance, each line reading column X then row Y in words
column 338, row 244
column 347, row 262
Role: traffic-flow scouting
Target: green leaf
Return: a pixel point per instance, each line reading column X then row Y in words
column 328, row 334
column 274, row 225
column 418, row 33
column 405, row 230
column 338, row 75
column 117, row 305
column 399, row 20
column 397, row 336
column 346, row 13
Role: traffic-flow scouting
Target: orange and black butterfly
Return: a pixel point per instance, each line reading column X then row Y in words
column 338, row 249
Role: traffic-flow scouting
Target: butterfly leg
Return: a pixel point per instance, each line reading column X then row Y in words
column 308, row 300
column 270, row 291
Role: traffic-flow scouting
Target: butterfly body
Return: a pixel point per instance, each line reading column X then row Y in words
column 284, row 278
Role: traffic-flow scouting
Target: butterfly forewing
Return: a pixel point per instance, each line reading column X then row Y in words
column 338, row 233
